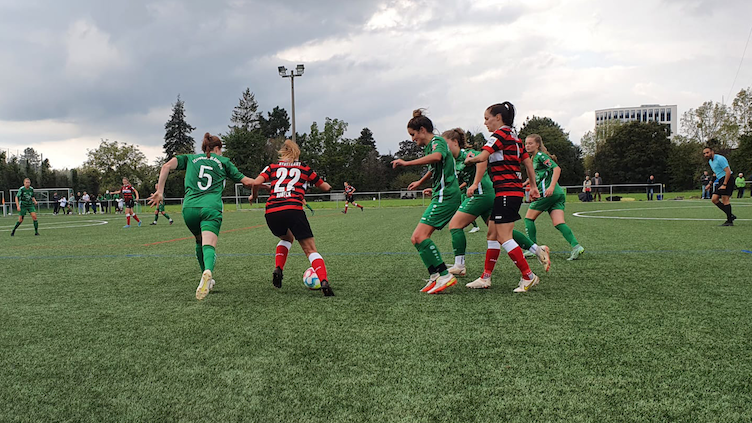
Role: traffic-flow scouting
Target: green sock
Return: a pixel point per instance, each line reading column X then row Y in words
column 475, row 224
column 568, row 235
column 17, row 225
column 523, row 241
column 167, row 216
column 309, row 207
column 209, row 257
column 459, row 242
column 156, row 217
column 532, row 232
column 430, row 255
column 36, row 226
column 200, row 256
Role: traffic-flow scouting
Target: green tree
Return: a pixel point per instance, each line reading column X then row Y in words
column 408, row 150
column 568, row 155
column 110, row 162
column 366, row 139
column 245, row 115
column 46, row 176
column 32, row 159
column 178, row 139
column 711, row 121
column 247, row 149
column 276, row 124
column 635, row 151
column 742, row 109
column 685, row 164
column 741, row 158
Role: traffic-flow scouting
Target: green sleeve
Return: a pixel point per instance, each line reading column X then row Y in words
column 182, row 161
column 233, row 172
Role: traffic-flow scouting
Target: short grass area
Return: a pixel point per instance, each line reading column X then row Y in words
column 653, row 323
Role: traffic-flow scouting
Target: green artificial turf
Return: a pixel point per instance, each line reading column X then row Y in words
column 653, row 323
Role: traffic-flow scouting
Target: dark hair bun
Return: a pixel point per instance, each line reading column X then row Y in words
column 417, row 113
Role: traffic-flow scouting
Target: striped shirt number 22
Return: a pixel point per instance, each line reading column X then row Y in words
column 282, row 174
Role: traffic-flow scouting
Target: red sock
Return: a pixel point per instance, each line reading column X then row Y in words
column 137, row 219
column 128, row 219
column 492, row 255
column 518, row 258
column 280, row 258
column 317, row 262
column 345, row 208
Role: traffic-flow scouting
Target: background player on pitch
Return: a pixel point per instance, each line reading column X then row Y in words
column 127, row 191
column 288, row 180
column 26, row 203
column 160, row 209
column 205, row 176
column 350, row 197
column 504, row 156
column 445, row 199
column 723, row 187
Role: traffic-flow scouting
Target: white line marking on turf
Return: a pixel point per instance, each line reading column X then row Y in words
column 27, row 225
column 587, row 213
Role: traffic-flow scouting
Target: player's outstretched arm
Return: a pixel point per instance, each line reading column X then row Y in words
column 158, row 196
column 416, row 184
column 482, row 157
column 429, row 159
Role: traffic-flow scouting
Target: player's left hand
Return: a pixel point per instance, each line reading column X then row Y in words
column 155, row 199
column 251, row 198
column 397, row 163
column 534, row 194
column 549, row 192
column 428, row 191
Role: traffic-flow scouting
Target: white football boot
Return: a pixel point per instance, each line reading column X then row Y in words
column 458, row 270
column 480, row 283
column 203, row 287
column 442, row 283
column 526, row 284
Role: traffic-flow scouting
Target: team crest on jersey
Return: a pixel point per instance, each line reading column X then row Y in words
column 433, row 146
column 547, row 162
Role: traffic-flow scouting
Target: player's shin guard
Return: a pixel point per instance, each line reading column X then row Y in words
column 280, row 258
column 209, row 257
column 522, row 240
column 431, row 257
column 531, row 230
column 200, row 256
column 515, row 253
column 317, row 262
column 492, row 255
column 36, row 226
column 568, row 235
column 459, row 242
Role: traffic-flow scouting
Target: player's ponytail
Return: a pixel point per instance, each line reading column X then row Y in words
column 210, row 143
column 420, row 120
column 456, row 134
column 289, row 152
column 506, row 110
column 541, row 147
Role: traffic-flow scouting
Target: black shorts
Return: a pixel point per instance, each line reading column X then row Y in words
column 130, row 203
column 349, row 198
column 294, row 220
column 718, row 191
column 506, row 209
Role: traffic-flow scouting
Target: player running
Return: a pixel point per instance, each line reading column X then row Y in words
column 553, row 197
column 288, row 180
column 202, row 205
column 479, row 205
column 160, row 209
column 350, row 197
column 26, row 202
column 722, row 188
column 445, row 200
column 128, row 191
column 504, row 156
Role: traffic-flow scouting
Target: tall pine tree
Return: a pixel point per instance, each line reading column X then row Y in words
column 245, row 115
column 178, row 139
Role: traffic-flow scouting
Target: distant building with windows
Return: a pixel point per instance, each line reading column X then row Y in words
column 644, row 113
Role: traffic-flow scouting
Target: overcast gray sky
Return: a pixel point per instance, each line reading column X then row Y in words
column 73, row 72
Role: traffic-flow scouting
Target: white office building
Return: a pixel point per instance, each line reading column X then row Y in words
column 644, row 113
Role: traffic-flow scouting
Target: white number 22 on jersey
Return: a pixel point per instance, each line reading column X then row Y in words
column 282, row 174
column 203, row 175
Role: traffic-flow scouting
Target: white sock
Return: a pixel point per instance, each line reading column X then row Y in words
column 510, row 245
column 534, row 249
column 494, row 245
column 459, row 260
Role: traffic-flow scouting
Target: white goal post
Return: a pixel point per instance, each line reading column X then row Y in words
column 44, row 196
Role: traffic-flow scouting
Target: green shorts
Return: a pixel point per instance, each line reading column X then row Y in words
column 548, row 204
column 202, row 219
column 478, row 205
column 439, row 214
column 27, row 209
column 160, row 208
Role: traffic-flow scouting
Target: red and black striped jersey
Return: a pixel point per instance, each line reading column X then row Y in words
column 127, row 191
column 505, row 162
column 350, row 189
column 289, row 182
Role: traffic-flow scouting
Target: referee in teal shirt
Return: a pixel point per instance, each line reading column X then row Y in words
column 722, row 194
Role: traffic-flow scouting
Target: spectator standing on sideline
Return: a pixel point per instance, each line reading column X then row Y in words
column 597, row 181
column 705, row 181
column 651, row 187
column 56, row 206
column 61, row 205
column 740, row 184
column 80, row 202
column 107, row 201
column 85, row 199
column 71, row 203
column 587, row 188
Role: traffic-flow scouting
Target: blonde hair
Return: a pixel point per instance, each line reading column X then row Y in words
column 456, row 134
column 289, row 152
column 538, row 140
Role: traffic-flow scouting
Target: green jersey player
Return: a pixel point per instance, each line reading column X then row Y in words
column 26, row 203
column 552, row 198
column 160, row 209
column 202, row 205
column 445, row 199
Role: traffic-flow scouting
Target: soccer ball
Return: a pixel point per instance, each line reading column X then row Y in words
column 311, row 279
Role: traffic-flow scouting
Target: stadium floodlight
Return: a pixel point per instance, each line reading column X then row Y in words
column 298, row 71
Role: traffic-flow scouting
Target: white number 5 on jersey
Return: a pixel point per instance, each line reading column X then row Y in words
column 206, row 176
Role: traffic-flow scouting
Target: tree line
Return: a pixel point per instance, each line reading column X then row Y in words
column 621, row 153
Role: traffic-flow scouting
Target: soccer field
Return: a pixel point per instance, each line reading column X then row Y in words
column 653, row 323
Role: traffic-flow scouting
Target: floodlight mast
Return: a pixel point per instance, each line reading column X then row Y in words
column 298, row 71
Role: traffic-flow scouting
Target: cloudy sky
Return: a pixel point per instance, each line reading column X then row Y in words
column 74, row 72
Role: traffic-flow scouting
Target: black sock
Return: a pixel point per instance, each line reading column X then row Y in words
column 728, row 212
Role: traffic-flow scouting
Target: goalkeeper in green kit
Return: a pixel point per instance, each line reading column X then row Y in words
column 26, row 203
column 202, row 206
